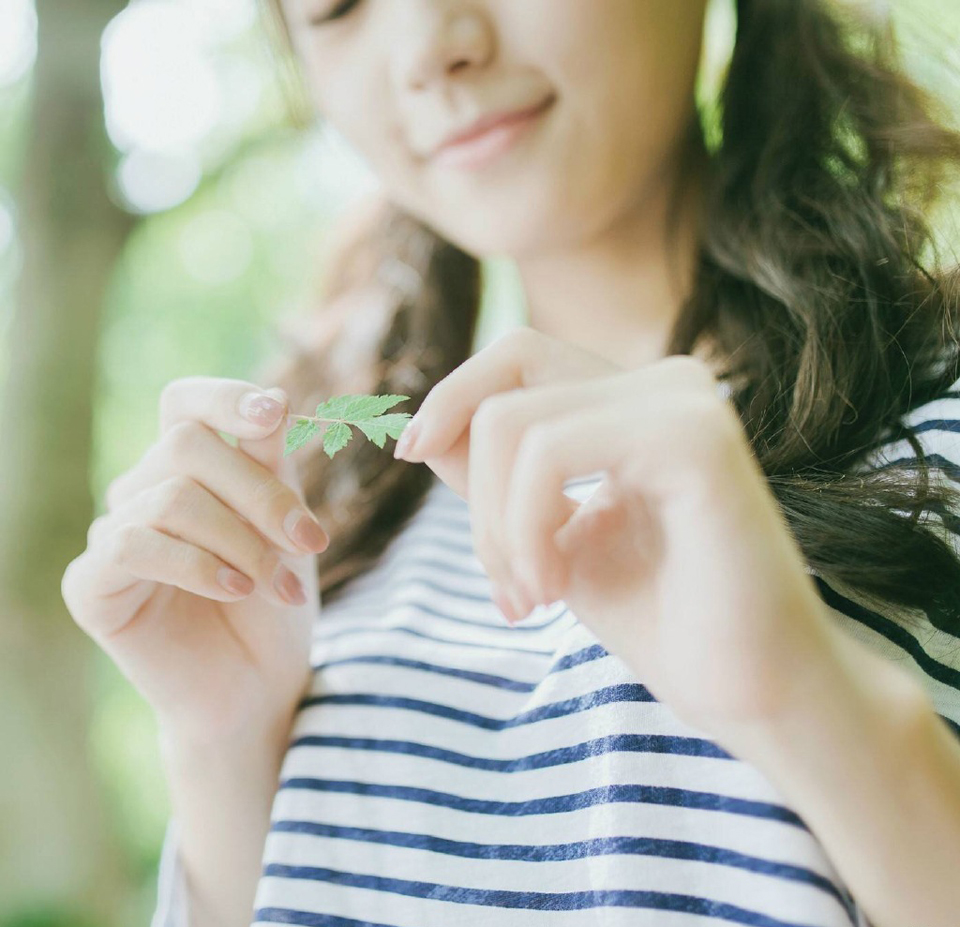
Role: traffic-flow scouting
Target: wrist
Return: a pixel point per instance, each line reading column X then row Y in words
column 253, row 753
column 864, row 760
column 843, row 694
column 221, row 789
column 196, row 735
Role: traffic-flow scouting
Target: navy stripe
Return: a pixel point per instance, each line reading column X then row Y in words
column 560, row 756
column 422, row 559
column 429, row 536
column 486, row 679
column 894, row 632
column 305, row 918
column 585, row 655
column 622, row 692
column 366, row 629
column 554, row 901
column 439, row 566
column 938, row 424
column 933, row 460
column 415, row 601
column 557, row 804
column 902, row 430
column 581, row 849
column 951, row 724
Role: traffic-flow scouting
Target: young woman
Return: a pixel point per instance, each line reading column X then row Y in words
column 718, row 466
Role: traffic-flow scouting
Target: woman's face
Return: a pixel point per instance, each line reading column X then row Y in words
column 395, row 77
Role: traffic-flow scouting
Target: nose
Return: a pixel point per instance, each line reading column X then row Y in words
column 437, row 38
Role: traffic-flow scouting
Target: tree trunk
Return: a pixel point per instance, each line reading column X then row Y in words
column 58, row 852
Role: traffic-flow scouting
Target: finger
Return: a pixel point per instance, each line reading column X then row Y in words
column 182, row 508
column 220, row 404
column 496, row 430
column 504, row 420
column 490, row 452
column 137, row 556
column 523, row 357
column 530, row 524
column 268, row 450
column 270, row 505
column 256, row 417
column 215, row 402
column 668, row 448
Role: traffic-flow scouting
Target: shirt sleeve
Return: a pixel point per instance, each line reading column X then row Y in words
column 906, row 635
column 171, row 910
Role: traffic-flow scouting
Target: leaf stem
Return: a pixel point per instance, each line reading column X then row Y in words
column 313, row 418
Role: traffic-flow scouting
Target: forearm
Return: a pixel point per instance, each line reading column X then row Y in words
column 221, row 795
column 874, row 772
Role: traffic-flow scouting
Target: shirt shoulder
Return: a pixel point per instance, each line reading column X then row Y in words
column 936, row 426
column 907, row 636
column 171, row 907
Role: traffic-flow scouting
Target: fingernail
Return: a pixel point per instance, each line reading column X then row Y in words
column 235, row 583
column 528, row 590
column 260, row 408
column 407, row 439
column 522, row 598
column 303, row 529
column 503, row 602
column 287, row 584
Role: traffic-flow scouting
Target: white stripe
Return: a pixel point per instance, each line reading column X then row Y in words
column 771, row 895
column 734, row 832
column 393, row 598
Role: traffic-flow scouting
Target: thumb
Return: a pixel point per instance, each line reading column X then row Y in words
column 268, row 451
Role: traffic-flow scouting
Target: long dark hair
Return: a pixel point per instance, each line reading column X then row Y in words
column 810, row 285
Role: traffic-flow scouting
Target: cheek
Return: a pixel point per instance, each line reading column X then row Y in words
column 353, row 99
column 611, row 101
column 627, row 107
column 358, row 115
column 615, row 121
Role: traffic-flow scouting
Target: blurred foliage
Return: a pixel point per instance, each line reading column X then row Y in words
column 199, row 290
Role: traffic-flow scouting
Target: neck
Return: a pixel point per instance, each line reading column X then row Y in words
column 619, row 293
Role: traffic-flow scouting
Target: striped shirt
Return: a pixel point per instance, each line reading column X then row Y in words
column 449, row 769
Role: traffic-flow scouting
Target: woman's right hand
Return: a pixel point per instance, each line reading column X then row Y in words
column 209, row 661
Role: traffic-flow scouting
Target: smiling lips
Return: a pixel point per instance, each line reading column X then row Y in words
column 487, row 137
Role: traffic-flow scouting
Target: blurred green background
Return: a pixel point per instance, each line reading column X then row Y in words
column 159, row 217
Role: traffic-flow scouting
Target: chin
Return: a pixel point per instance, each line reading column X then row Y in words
column 487, row 231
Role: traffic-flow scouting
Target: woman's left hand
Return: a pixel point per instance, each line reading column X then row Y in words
column 680, row 563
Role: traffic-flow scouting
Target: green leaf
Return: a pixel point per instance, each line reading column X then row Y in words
column 335, row 438
column 299, row 434
column 366, row 412
column 391, row 425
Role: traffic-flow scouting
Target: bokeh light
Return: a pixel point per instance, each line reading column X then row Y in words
column 18, row 39
column 160, row 89
column 151, row 181
column 175, row 94
column 7, row 222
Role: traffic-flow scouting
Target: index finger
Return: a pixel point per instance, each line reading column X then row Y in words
column 523, row 357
